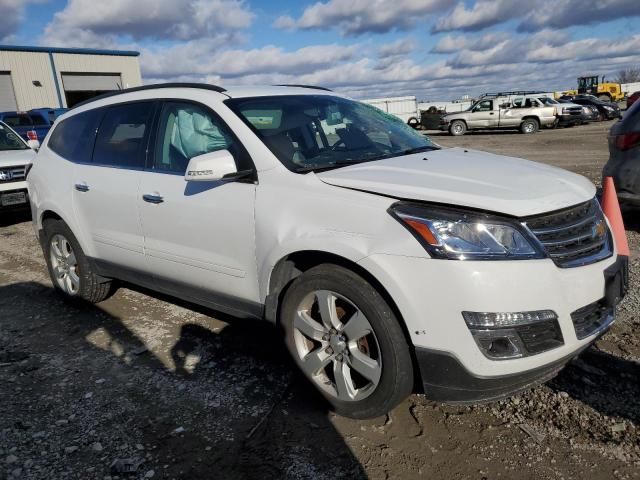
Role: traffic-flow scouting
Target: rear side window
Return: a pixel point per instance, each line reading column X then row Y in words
column 122, row 135
column 73, row 138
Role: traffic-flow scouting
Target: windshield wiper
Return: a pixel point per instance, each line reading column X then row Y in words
column 321, row 168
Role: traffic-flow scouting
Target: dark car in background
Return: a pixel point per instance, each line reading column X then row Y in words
column 590, row 113
column 607, row 110
column 624, row 158
column 631, row 99
column 33, row 124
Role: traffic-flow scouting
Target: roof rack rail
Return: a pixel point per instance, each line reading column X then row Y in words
column 514, row 92
column 313, row 87
column 203, row 86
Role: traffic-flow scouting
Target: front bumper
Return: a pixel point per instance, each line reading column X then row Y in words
column 431, row 295
column 564, row 120
column 445, row 379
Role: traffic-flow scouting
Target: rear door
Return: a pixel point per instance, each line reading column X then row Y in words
column 107, row 188
column 199, row 236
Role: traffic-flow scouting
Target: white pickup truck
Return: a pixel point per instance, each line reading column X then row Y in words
column 501, row 111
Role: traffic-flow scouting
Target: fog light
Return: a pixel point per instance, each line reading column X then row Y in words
column 499, row 344
column 508, row 335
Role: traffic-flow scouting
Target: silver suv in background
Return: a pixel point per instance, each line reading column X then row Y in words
column 510, row 110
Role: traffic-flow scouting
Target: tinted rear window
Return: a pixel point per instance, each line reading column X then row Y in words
column 18, row 120
column 73, row 138
column 122, row 135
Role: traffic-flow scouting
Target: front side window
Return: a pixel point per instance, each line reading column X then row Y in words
column 73, row 138
column 122, row 135
column 10, row 141
column 315, row 132
column 484, row 106
column 186, row 130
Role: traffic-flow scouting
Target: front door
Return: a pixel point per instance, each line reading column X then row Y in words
column 482, row 115
column 199, row 236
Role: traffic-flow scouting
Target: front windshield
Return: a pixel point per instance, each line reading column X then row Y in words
column 548, row 101
column 10, row 141
column 317, row 132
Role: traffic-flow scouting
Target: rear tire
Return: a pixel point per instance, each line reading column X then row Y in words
column 457, row 128
column 529, row 125
column 353, row 349
column 71, row 273
column 413, row 122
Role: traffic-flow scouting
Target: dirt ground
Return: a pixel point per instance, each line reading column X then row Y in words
column 180, row 392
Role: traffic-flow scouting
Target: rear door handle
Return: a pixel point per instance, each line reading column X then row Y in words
column 152, row 198
column 491, row 113
column 82, row 187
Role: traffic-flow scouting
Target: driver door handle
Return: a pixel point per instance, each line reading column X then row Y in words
column 152, row 198
column 81, row 187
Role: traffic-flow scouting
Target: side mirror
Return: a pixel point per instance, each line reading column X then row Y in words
column 505, row 105
column 34, row 144
column 211, row 167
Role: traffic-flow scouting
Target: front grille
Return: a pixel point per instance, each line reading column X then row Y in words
column 540, row 337
column 12, row 174
column 573, row 110
column 587, row 320
column 574, row 236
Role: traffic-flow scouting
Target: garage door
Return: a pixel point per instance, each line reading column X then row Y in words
column 74, row 82
column 7, row 96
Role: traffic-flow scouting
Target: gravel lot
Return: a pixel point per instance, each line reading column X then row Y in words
column 174, row 391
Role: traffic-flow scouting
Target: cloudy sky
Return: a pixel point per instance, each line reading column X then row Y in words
column 435, row 49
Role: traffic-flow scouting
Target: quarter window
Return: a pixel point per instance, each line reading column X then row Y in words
column 186, row 130
column 122, row 135
column 73, row 138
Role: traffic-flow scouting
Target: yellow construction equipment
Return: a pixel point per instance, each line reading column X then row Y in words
column 606, row 91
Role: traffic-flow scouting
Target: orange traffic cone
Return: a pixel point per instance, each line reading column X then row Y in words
column 611, row 209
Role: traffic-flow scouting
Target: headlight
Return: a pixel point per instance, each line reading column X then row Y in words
column 607, row 107
column 460, row 235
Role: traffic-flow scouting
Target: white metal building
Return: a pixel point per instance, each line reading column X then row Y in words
column 41, row 77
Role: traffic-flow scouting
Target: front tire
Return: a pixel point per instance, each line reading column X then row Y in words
column 347, row 341
column 530, row 125
column 457, row 128
column 71, row 273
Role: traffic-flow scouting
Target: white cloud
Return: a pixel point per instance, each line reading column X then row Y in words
column 400, row 47
column 157, row 19
column 534, row 16
column 453, row 44
column 11, row 16
column 202, row 58
column 354, row 17
column 567, row 13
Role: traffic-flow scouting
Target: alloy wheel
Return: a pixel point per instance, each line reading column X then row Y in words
column 336, row 345
column 64, row 265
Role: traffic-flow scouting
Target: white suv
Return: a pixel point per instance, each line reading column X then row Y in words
column 391, row 264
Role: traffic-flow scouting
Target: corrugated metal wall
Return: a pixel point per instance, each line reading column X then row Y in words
column 27, row 67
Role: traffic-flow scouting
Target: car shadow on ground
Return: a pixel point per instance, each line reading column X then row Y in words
column 245, row 411
column 13, row 217
column 595, row 372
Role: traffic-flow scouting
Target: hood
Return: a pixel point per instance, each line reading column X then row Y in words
column 11, row 158
column 468, row 178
